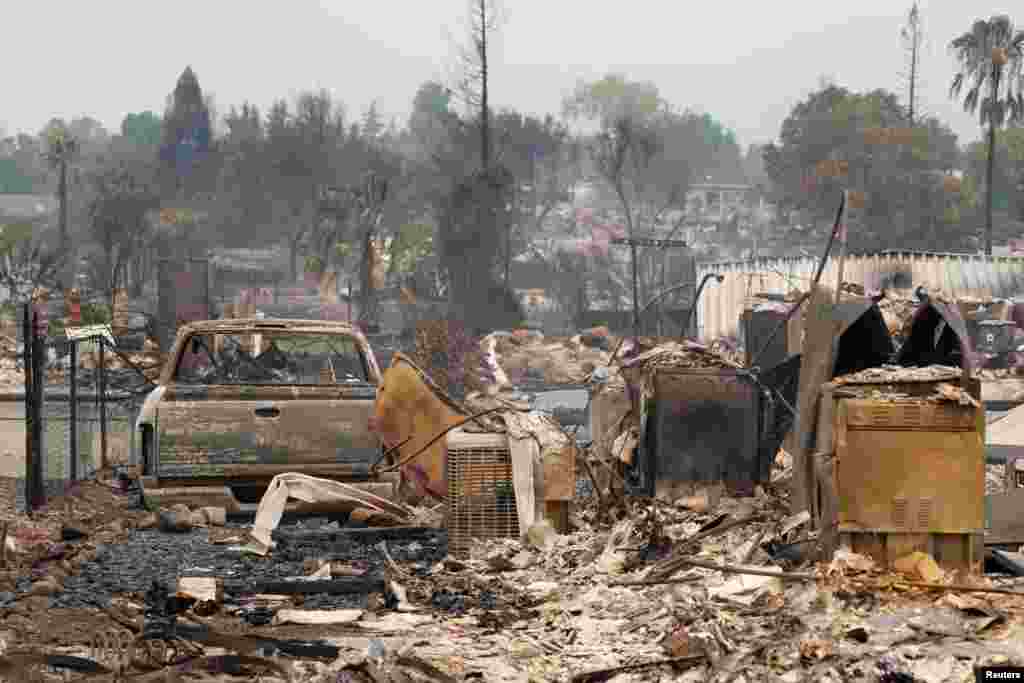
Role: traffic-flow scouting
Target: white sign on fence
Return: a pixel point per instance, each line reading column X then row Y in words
column 90, row 332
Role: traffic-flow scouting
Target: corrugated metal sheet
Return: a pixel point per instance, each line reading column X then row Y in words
column 957, row 275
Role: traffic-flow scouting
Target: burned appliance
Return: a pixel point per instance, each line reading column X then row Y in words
column 902, row 467
column 700, row 426
column 481, row 497
column 758, row 325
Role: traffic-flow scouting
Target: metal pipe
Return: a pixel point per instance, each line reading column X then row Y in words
column 101, row 386
column 696, row 298
column 663, row 294
column 37, row 494
column 30, row 455
column 73, row 409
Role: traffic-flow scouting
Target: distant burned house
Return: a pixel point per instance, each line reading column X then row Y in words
column 26, row 207
column 235, row 269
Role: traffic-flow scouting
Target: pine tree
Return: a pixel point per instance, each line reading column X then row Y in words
column 372, row 125
column 186, row 136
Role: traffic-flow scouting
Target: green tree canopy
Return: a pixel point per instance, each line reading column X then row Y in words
column 12, row 179
column 143, row 129
column 612, row 98
column 903, row 182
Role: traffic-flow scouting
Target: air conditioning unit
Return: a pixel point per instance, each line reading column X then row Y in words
column 481, row 498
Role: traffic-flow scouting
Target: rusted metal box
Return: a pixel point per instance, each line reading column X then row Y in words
column 910, row 475
column 701, row 426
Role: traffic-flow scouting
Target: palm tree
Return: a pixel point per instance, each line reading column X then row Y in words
column 990, row 59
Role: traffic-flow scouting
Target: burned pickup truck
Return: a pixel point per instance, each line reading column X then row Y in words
column 240, row 401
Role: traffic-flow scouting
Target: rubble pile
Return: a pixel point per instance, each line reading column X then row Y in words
column 880, row 384
column 534, row 359
column 707, row 588
column 639, row 361
column 146, row 363
column 995, row 479
column 898, row 315
column 697, row 587
column 893, row 374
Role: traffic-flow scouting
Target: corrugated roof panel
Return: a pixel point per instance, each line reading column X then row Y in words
column 957, row 275
column 1002, row 277
column 937, row 271
column 948, row 274
column 961, row 281
column 1010, row 276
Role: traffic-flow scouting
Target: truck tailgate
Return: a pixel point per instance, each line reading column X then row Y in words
column 257, row 432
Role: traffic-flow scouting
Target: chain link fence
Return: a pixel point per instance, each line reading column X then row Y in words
column 72, row 415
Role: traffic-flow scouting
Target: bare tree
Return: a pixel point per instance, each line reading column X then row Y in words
column 123, row 191
column 912, row 36
column 27, row 260
column 474, row 80
column 622, row 154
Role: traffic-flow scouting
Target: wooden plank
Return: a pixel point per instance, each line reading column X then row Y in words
column 816, row 366
column 557, row 513
column 560, row 474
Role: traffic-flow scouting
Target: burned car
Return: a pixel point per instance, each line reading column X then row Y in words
column 241, row 401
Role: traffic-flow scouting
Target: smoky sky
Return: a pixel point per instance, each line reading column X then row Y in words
column 746, row 63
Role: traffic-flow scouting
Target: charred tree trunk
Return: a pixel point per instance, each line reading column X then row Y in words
column 485, row 122
column 989, row 172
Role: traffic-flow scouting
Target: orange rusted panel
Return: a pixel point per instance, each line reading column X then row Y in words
column 560, row 474
column 906, row 475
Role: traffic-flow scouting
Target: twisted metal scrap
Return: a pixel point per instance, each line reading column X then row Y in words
column 113, row 648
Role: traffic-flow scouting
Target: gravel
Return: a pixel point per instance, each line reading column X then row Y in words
column 152, row 555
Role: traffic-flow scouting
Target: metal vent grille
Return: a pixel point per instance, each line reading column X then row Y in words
column 896, row 415
column 899, row 512
column 924, row 513
column 481, row 499
column 892, row 416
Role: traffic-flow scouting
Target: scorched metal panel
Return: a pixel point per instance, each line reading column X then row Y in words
column 705, row 426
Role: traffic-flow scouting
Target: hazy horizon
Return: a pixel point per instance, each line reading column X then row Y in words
column 748, row 75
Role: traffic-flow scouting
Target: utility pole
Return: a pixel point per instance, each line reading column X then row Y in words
column 633, row 243
column 62, row 195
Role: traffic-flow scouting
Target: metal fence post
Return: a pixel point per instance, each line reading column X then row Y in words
column 73, row 407
column 30, row 429
column 102, row 398
column 37, row 494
